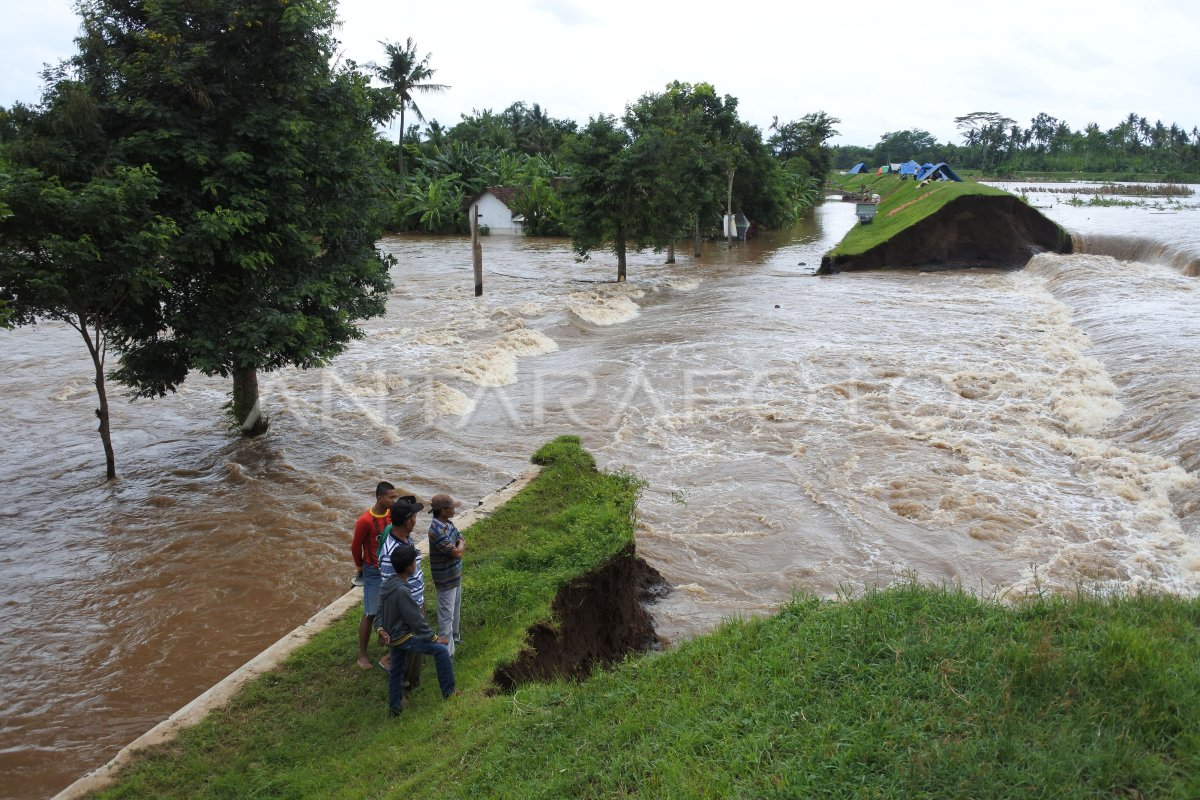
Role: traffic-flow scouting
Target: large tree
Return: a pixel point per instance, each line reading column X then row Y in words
column 265, row 151
column 87, row 253
column 602, row 196
column 81, row 240
column 670, row 164
column 686, row 138
column 405, row 75
column 680, row 156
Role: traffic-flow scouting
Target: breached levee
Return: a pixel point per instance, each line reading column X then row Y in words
column 556, row 590
column 946, row 225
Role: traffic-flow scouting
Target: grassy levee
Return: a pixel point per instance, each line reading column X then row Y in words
column 318, row 727
column 911, row 691
column 903, row 204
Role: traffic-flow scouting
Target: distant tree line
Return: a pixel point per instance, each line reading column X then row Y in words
column 525, row 148
column 998, row 145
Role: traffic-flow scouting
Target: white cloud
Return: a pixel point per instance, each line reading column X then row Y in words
column 566, row 12
column 875, row 65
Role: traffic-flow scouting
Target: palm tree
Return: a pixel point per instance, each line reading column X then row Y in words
column 406, row 75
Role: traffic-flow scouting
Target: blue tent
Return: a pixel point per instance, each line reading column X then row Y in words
column 857, row 168
column 937, row 172
column 909, row 168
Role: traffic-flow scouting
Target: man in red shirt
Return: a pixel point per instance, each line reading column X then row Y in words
column 365, row 548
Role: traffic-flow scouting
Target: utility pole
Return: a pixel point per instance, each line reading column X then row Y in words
column 476, row 252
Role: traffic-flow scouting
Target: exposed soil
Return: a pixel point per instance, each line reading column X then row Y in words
column 599, row 619
column 973, row 231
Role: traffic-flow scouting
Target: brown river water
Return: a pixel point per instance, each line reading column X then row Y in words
column 1005, row 430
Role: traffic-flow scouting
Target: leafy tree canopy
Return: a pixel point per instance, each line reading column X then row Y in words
column 266, row 157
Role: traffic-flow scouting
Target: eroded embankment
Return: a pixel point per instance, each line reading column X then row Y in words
column 600, row 618
column 970, row 231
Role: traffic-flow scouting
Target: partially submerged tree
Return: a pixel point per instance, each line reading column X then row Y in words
column 405, row 75
column 687, row 135
column 89, row 254
column 266, row 156
column 602, row 192
column 643, row 182
column 679, row 158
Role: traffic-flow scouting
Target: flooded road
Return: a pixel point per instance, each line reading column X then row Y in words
column 1000, row 429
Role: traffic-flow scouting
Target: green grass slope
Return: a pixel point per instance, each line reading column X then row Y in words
column 903, row 204
column 318, row 726
column 910, row 692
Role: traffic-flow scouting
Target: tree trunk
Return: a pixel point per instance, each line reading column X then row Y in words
column 97, row 351
column 401, row 143
column 110, row 458
column 246, row 412
column 620, row 257
column 671, row 252
column 698, row 242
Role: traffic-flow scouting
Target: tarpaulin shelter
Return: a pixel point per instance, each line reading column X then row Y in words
column 858, row 168
column 938, row 172
column 909, row 168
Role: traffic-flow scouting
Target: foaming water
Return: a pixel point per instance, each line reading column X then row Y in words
column 1155, row 230
column 1133, row 248
column 606, row 305
column 1001, row 429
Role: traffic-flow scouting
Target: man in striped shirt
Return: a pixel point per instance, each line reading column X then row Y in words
column 399, row 533
column 446, row 547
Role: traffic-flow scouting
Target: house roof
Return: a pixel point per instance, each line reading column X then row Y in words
column 504, row 194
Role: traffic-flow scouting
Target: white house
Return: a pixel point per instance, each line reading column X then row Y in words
column 495, row 211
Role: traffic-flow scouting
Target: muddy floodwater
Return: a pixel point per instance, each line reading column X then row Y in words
column 1000, row 429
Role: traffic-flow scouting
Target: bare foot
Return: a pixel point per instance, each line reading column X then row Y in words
column 364, row 663
column 385, row 664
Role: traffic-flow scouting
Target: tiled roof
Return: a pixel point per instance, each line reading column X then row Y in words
column 504, row 194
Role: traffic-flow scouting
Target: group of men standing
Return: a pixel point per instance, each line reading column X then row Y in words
column 389, row 564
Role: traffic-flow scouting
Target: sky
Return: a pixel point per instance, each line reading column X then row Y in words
column 876, row 66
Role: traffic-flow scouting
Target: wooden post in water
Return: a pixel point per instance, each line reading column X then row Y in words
column 729, row 224
column 476, row 252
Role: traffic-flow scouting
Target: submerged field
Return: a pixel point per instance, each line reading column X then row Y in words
column 911, row 691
